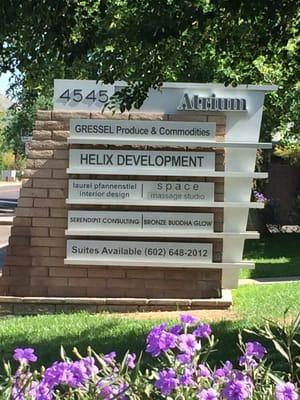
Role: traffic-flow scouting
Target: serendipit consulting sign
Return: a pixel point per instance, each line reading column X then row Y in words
column 137, row 131
column 91, row 222
column 85, row 191
column 99, row 252
column 126, row 162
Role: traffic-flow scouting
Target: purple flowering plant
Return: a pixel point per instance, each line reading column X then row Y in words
column 181, row 371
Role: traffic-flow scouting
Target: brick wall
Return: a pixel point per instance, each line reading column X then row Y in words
column 34, row 264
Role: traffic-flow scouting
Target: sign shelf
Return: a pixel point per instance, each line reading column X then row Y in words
column 213, row 204
column 168, row 142
column 173, row 234
column 158, row 264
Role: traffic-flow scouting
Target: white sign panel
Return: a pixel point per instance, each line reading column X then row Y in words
column 81, row 95
column 153, row 131
column 98, row 250
column 111, row 191
column 126, row 162
column 137, row 222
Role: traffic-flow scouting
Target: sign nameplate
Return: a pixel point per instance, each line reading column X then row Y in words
column 98, row 250
column 125, row 162
column 104, row 191
column 194, row 102
column 136, row 222
column 153, row 131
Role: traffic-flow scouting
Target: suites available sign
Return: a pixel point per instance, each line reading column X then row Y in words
column 154, row 131
column 91, row 222
column 84, row 191
column 125, row 162
column 90, row 251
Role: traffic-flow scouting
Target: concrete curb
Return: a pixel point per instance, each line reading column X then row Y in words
column 269, row 281
column 49, row 305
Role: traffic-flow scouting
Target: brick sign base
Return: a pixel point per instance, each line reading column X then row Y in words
column 34, row 264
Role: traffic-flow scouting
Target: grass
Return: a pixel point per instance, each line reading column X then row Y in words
column 274, row 255
column 106, row 332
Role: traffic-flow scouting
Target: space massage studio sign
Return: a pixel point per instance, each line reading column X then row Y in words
column 242, row 107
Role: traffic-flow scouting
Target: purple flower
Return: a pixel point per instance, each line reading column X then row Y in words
column 225, row 371
column 188, row 319
column 176, row 329
column 184, row 358
column 286, row 391
column 255, row 349
column 260, row 197
column 188, row 343
column 236, row 390
column 166, row 382
column 25, row 355
column 131, row 360
column 204, row 371
column 203, row 331
column 208, row 394
column 110, row 357
column 159, row 340
column 248, row 362
column 186, row 379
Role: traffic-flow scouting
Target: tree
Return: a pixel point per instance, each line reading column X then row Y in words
column 146, row 42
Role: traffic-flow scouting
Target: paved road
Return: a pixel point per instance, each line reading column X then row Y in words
column 9, row 195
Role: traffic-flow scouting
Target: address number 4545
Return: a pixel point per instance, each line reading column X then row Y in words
column 78, row 96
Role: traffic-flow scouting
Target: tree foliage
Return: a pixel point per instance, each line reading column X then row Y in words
column 146, row 42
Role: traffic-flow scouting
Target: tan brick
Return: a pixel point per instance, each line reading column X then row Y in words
column 18, row 260
column 125, row 283
column 48, row 145
column 50, row 183
column 48, row 261
column 61, row 154
column 164, row 284
column 19, row 250
column 29, row 164
column 106, row 273
column 60, row 174
column 145, row 274
column 87, row 282
column 24, row 192
column 66, row 291
column 41, row 154
column 104, row 292
column 218, row 119
column 32, row 212
column 52, row 125
column 51, row 203
column 65, row 115
column 33, row 271
column 60, row 135
column 148, row 116
column 59, row 212
column 20, row 231
column 107, row 115
column 52, row 164
column 39, row 251
column 25, row 202
column 57, row 232
column 47, row 281
column 48, row 242
column 43, row 115
column 41, row 135
column 57, row 193
column 18, row 280
column 50, row 222
column 27, row 183
column 19, row 240
column 188, row 117
column 37, row 173
column 43, row 232
column 186, row 275
column 58, row 252
column 68, row 272
column 21, row 221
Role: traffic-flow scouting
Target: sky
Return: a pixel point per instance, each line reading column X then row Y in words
column 4, row 82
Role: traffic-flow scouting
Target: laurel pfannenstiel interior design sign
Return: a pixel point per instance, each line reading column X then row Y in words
column 87, row 191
